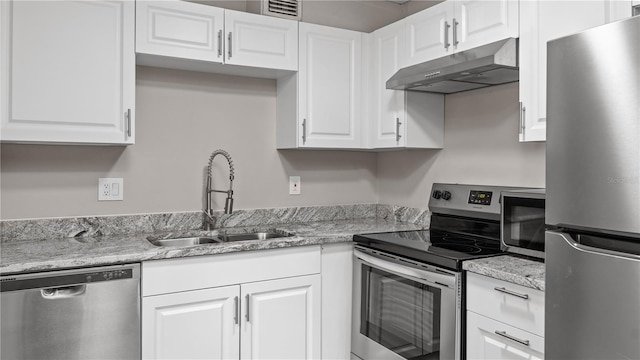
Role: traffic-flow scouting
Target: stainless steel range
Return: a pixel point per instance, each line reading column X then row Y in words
column 408, row 285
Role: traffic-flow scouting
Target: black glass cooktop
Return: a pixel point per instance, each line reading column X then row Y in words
column 436, row 246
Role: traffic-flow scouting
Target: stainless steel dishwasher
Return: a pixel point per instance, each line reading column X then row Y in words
column 90, row 313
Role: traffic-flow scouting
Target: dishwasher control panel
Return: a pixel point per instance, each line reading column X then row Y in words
column 67, row 277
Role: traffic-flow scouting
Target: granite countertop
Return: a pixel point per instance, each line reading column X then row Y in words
column 509, row 268
column 70, row 252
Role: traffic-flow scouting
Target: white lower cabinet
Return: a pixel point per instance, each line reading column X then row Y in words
column 257, row 305
column 198, row 324
column 491, row 339
column 281, row 319
column 337, row 267
column 504, row 320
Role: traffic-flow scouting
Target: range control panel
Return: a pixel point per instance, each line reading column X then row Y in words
column 480, row 197
column 479, row 201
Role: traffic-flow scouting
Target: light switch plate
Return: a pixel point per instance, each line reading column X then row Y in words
column 294, row 185
column 110, row 189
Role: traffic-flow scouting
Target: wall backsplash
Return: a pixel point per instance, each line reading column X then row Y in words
column 169, row 224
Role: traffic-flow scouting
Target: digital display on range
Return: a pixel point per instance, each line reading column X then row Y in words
column 480, row 197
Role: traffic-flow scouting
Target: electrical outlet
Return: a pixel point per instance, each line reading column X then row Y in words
column 294, row 185
column 110, row 189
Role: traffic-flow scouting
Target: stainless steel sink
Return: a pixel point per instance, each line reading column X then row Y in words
column 184, row 241
column 250, row 236
column 217, row 239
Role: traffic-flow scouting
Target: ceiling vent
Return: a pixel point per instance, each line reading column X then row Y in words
column 288, row 9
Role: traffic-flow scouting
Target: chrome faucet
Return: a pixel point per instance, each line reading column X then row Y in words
column 228, row 204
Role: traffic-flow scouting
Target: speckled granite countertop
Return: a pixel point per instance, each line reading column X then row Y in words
column 509, row 268
column 70, row 252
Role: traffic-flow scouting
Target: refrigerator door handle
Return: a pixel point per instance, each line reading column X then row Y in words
column 597, row 251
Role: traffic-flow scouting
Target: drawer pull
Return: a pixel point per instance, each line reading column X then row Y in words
column 504, row 290
column 512, row 338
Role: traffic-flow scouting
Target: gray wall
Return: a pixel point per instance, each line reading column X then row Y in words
column 480, row 147
column 181, row 118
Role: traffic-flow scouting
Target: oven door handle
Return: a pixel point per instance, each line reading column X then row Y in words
column 422, row 275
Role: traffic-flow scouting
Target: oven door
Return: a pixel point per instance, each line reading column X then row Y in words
column 403, row 309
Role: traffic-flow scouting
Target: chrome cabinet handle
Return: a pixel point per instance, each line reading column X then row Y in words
column 304, row 131
column 236, row 309
column 219, row 43
column 229, row 45
column 446, row 35
column 513, row 293
column 398, row 123
column 512, row 338
column 127, row 116
column 455, row 32
column 523, row 110
column 247, row 314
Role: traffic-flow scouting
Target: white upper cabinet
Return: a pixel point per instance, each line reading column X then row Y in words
column 67, row 84
column 428, row 33
column 321, row 105
column 398, row 119
column 261, row 41
column 541, row 21
column 479, row 22
column 182, row 30
column 457, row 25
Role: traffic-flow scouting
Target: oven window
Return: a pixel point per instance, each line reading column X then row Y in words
column 400, row 314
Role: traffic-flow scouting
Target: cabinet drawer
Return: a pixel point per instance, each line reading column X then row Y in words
column 491, row 339
column 200, row 272
column 506, row 302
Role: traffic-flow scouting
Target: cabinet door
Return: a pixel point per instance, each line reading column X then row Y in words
column 180, row 29
column 281, row 319
column 200, row 324
column 261, row 41
column 428, row 33
column 479, row 22
column 68, row 84
column 388, row 116
column 540, row 22
column 330, row 88
column 490, row 339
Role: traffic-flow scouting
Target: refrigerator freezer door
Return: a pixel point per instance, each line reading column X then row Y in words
column 593, row 133
column 591, row 301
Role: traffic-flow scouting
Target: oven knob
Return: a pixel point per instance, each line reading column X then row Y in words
column 446, row 195
column 437, row 194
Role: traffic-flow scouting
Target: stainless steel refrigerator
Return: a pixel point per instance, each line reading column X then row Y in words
column 593, row 194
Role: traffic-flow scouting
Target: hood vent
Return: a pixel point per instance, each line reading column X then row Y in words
column 288, row 9
column 487, row 65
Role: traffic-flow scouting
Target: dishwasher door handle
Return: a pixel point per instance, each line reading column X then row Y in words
column 63, row 292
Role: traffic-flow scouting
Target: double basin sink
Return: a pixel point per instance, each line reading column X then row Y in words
column 217, row 239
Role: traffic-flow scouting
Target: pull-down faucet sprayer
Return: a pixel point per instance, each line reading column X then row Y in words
column 228, row 204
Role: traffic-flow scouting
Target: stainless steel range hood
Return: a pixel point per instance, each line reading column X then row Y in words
column 487, row 65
